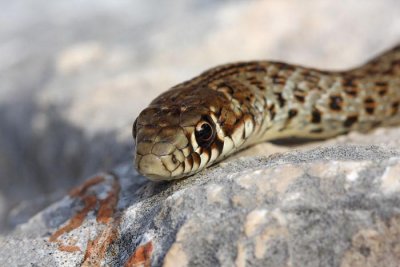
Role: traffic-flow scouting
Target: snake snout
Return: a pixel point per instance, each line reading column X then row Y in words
column 160, row 152
column 158, row 165
column 151, row 166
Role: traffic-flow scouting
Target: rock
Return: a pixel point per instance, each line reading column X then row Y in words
column 333, row 206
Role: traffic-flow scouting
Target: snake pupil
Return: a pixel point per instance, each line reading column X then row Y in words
column 204, row 134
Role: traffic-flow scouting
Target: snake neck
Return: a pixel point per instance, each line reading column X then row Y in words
column 272, row 100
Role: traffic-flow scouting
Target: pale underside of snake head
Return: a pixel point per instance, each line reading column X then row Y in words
column 185, row 130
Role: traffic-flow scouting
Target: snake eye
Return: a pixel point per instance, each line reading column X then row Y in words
column 204, row 133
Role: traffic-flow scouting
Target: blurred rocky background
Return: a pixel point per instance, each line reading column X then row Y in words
column 75, row 74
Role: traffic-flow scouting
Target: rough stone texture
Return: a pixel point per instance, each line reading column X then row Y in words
column 75, row 74
column 335, row 206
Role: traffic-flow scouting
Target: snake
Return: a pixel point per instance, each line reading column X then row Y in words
column 200, row 122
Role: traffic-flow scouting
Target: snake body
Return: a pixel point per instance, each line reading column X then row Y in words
column 230, row 107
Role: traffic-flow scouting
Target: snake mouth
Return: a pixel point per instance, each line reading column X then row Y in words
column 158, row 168
column 152, row 167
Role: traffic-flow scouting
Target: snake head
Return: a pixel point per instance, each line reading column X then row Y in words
column 177, row 138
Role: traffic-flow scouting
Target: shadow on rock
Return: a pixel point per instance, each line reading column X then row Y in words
column 45, row 157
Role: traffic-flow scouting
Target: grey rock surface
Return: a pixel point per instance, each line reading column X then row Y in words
column 75, row 74
column 334, row 206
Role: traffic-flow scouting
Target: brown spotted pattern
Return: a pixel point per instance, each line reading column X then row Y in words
column 249, row 102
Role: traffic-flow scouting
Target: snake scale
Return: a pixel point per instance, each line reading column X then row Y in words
column 230, row 107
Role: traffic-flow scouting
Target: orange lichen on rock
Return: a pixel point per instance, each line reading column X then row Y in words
column 109, row 204
column 141, row 256
column 108, row 221
column 68, row 248
column 81, row 190
column 96, row 249
column 77, row 219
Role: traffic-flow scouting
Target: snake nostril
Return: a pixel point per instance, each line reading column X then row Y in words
column 174, row 160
